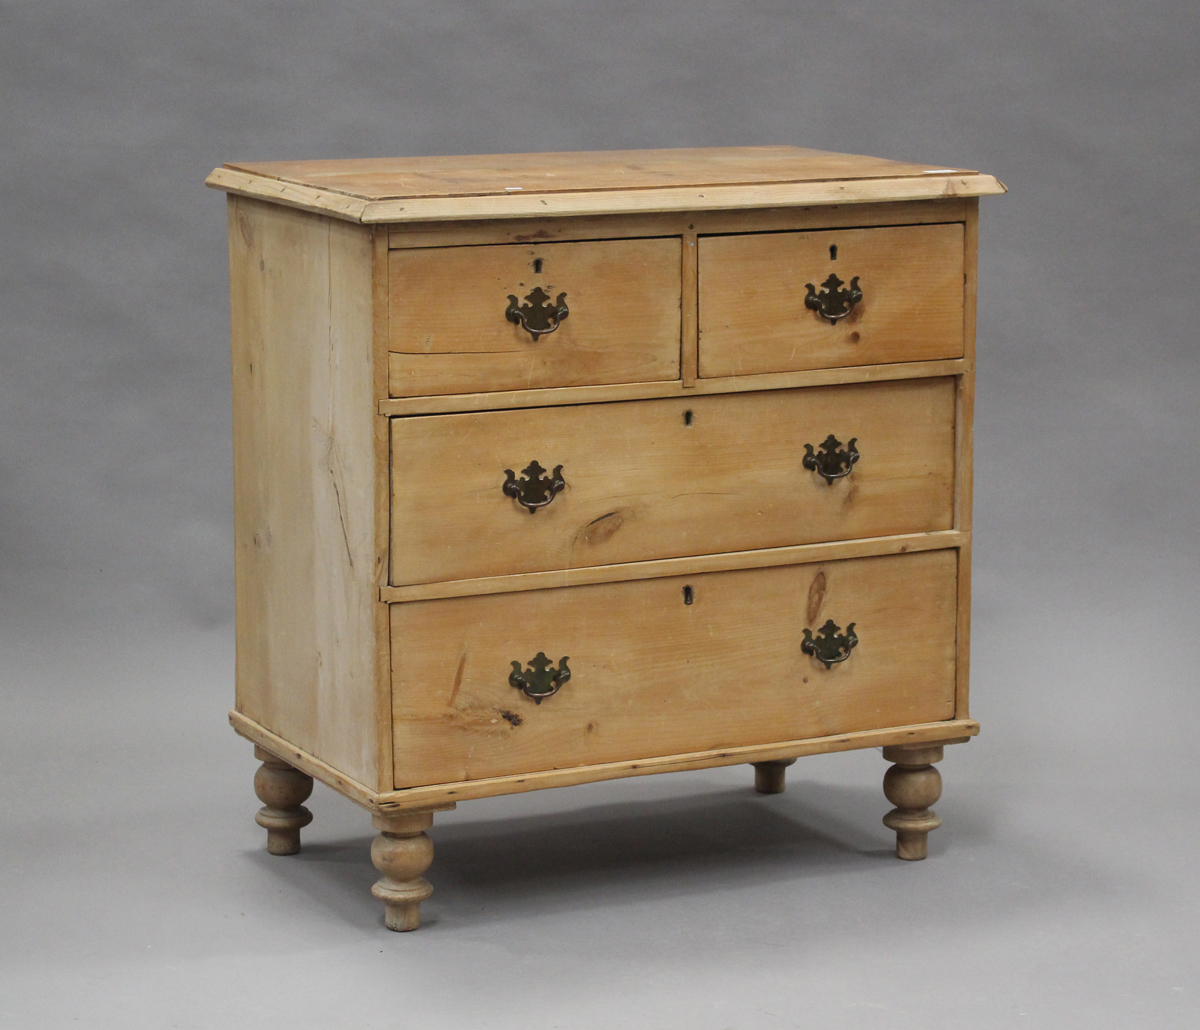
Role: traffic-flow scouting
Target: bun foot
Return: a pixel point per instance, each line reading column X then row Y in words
column 401, row 853
column 283, row 790
column 769, row 776
column 912, row 785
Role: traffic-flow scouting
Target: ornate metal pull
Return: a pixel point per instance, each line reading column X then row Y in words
column 533, row 490
column 830, row 645
column 832, row 462
column 833, row 302
column 536, row 316
column 541, row 680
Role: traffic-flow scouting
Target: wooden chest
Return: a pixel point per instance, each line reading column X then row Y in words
column 557, row 468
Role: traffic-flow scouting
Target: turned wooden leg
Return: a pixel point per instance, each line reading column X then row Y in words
column 402, row 852
column 768, row 776
column 912, row 785
column 283, row 791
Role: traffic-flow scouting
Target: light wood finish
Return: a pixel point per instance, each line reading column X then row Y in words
column 449, row 331
column 769, row 776
column 689, row 333
column 401, row 853
column 304, row 481
column 386, row 586
column 912, row 785
column 287, row 194
column 283, row 790
column 964, row 457
column 673, row 223
column 263, row 739
column 391, row 192
column 386, row 178
column 753, row 317
column 728, row 198
column 570, row 205
column 422, row 797
column 662, row 478
column 382, row 441
column 402, row 406
column 655, row 675
column 689, row 566
column 954, row 731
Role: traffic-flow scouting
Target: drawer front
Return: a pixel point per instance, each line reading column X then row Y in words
column 667, row 478
column 754, row 294
column 449, row 331
column 653, row 675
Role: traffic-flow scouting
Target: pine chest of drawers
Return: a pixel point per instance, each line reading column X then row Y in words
column 564, row 467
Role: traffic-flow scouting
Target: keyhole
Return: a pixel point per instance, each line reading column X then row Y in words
column 833, row 252
column 537, row 266
column 687, row 417
column 688, row 595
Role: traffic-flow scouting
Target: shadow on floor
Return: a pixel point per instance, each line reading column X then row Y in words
column 487, row 869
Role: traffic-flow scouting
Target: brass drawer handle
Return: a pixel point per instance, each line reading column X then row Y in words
column 833, row 302
column 830, row 646
column 831, row 462
column 536, row 316
column 541, row 680
column 534, row 490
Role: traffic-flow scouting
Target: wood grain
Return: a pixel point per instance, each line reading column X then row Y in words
column 653, row 675
column 382, row 444
column 689, row 309
column 646, row 480
column 965, row 454
column 286, row 194
column 449, row 333
column 446, row 795
column 691, row 565
column 499, row 401
column 753, row 317
column 305, row 761
column 309, row 190
column 304, row 481
column 673, row 223
column 705, row 198
column 385, row 178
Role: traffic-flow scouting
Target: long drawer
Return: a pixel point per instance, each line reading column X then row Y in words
column 668, row 478
column 455, row 316
column 670, row 666
column 779, row 302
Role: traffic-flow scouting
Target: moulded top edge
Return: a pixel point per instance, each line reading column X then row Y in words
column 928, row 185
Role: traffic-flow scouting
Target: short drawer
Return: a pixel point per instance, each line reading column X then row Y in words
column 454, row 316
column 667, row 478
column 781, row 302
column 670, row 666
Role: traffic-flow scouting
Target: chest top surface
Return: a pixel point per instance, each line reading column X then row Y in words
column 591, row 182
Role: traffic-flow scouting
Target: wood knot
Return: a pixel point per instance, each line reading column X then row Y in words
column 245, row 228
column 816, row 597
column 601, row 530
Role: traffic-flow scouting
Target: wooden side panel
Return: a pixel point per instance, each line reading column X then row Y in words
column 665, row 478
column 753, row 317
column 653, row 675
column 449, row 333
column 965, row 445
column 304, row 482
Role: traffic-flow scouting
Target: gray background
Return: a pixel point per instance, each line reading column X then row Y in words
column 1061, row 891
